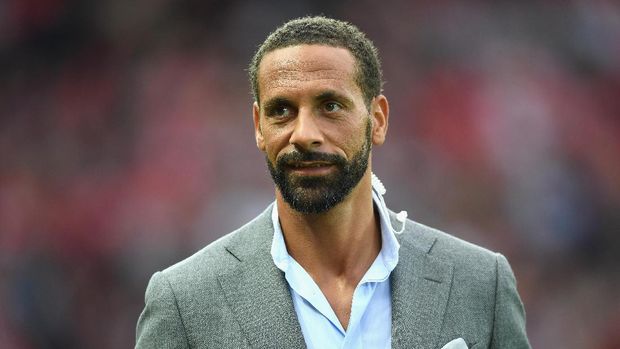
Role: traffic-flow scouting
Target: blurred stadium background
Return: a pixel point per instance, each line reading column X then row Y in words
column 126, row 144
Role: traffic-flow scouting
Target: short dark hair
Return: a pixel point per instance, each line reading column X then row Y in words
column 325, row 31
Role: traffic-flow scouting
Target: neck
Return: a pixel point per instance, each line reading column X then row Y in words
column 342, row 242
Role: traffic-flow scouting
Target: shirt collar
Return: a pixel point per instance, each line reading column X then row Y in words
column 381, row 268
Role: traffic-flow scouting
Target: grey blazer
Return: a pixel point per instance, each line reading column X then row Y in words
column 231, row 295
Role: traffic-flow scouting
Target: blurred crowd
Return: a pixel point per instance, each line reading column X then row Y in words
column 126, row 144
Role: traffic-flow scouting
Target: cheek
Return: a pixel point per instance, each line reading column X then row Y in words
column 275, row 141
column 350, row 138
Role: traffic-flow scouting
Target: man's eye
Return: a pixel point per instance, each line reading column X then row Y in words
column 332, row 107
column 280, row 111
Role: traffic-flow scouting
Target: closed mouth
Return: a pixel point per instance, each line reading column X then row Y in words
column 309, row 164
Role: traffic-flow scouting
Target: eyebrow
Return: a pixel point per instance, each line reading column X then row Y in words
column 274, row 102
column 333, row 95
column 323, row 96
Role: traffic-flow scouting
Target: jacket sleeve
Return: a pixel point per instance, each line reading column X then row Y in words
column 509, row 322
column 160, row 325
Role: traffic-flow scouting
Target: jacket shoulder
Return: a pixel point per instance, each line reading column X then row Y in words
column 221, row 255
column 185, row 305
column 448, row 248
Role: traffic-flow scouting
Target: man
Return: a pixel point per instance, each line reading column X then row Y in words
column 327, row 265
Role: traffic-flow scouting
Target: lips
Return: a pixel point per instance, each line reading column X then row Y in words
column 308, row 164
column 310, row 168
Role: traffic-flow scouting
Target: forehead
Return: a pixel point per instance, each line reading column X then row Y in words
column 307, row 66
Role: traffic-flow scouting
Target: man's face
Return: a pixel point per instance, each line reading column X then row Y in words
column 313, row 125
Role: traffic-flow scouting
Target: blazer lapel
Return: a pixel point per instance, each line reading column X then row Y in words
column 420, row 290
column 257, row 291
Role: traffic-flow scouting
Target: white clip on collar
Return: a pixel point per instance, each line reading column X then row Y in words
column 380, row 191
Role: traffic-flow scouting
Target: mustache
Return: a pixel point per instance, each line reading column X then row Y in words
column 294, row 157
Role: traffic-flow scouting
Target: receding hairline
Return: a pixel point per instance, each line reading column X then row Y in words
column 321, row 30
column 335, row 57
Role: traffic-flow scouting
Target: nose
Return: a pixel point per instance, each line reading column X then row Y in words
column 306, row 134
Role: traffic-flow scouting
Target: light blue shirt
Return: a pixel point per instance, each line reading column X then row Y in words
column 370, row 323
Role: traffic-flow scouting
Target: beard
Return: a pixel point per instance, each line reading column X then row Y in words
column 318, row 194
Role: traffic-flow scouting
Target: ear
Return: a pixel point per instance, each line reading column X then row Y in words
column 380, row 112
column 258, row 133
